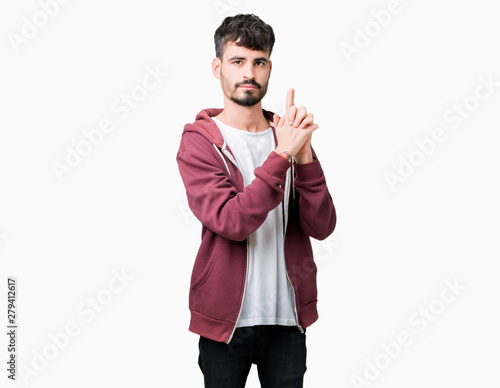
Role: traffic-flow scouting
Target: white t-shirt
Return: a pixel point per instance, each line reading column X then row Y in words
column 268, row 298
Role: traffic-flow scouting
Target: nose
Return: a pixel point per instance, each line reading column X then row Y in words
column 249, row 71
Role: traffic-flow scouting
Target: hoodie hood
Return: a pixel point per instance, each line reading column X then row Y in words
column 205, row 126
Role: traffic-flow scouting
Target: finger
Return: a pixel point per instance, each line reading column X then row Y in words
column 291, row 114
column 282, row 121
column 307, row 121
column 276, row 119
column 289, row 98
column 311, row 128
column 301, row 113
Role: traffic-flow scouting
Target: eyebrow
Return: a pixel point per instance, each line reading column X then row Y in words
column 262, row 59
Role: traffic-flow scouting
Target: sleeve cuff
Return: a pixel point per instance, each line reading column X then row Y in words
column 308, row 171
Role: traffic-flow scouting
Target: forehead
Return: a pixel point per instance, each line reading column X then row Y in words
column 232, row 50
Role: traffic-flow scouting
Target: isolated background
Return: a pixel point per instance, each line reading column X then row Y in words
column 124, row 208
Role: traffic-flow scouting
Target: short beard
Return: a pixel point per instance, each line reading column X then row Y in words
column 249, row 98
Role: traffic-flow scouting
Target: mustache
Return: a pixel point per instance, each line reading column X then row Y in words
column 251, row 82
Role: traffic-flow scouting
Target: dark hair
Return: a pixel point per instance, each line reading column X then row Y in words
column 245, row 30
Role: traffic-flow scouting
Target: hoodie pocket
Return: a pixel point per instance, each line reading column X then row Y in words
column 302, row 269
column 219, row 281
column 205, row 273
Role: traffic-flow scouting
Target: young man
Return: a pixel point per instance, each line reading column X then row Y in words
column 255, row 183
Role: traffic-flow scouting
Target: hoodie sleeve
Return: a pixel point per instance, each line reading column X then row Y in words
column 317, row 214
column 213, row 198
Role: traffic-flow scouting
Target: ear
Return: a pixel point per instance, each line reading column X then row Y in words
column 216, row 64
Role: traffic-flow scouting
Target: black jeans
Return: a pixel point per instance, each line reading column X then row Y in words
column 278, row 351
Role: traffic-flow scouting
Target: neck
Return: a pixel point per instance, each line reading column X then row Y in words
column 246, row 118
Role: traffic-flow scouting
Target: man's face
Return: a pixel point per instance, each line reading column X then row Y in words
column 244, row 74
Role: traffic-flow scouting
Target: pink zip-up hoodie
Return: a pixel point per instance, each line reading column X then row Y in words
column 229, row 212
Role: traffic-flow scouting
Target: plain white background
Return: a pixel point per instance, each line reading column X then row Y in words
column 122, row 208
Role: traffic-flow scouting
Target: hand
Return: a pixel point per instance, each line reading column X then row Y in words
column 299, row 118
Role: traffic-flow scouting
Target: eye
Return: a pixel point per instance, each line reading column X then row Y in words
column 260, row 63
column 237, row 62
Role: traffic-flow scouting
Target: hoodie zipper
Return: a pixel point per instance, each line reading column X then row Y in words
column 295, row 299
column 231, row 158
column 287, row 194
column 242, row 299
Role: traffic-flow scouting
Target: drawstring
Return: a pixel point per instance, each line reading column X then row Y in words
column 223, row 159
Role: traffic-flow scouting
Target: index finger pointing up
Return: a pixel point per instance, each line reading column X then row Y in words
column 289, row 98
